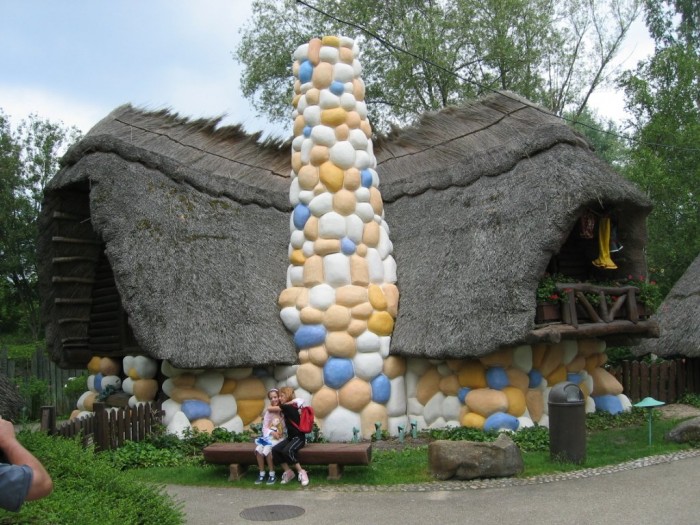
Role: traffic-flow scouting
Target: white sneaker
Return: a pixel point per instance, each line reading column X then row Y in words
column 287, row 476
column 303, row 478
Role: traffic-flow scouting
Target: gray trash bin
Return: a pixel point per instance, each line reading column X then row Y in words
column 567, row 423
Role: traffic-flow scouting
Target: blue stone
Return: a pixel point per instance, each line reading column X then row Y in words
column 337, row 88
column 307, row 131
column 497, row 378
column 337, row 371
column 98, row 382
column 381, row 389
column 347, row 246
column 535, row 378
column 306, row 71
column 608, row 403
column 500, row 420
column 462, row 394
column 195, row 409
column 573, row 377
column 301, row 215
column 309, row 335
column 366, row 178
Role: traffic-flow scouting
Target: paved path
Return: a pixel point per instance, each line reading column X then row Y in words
column 665, row 491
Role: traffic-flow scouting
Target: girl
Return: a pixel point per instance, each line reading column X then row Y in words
column 272, row 432
column 285, row 452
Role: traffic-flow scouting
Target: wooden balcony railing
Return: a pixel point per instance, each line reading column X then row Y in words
column 613, row 303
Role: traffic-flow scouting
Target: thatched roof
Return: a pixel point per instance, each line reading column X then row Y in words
column 195, row 222
column 679, row 318
column 11, row 401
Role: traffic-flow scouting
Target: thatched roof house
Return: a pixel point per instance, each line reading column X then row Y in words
column 679, row 318
column 183, row 228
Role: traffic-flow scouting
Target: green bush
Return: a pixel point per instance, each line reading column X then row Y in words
column 144, row 455
column 690, row 398
column 89, row 490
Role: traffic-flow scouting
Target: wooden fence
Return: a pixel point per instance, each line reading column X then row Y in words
column 106, row 428
column 664, row 381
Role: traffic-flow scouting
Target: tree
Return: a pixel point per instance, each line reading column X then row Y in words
column 663, row 97
column 422, row 55
column 28, row 159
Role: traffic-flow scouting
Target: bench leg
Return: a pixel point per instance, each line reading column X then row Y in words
column 236, row 471
column 335, row 471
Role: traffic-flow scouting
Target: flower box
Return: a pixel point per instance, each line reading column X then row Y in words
column 547, row 313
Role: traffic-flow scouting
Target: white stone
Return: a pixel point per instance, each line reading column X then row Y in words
column 291, row 381
column 80, row 405
column 354, row 228
column 625, row 402
column 223, row 408
column 332, row 224
column 438, row 423
column 570, row 347
column 238, row 373
column 301, row 53
column 290, row 318
column 297, row 239
column 233, row 425
column 170, row 408
column 114, row 381
column 361, row 109
column 210, row 382
column 544, row 421
column 308, row 248
column 588, row 380
column 168, row 386
column 91, row 383
column 385, row 226
column 305, row 197
column 525, row 422
column 364, row 211
column 128, row 385
column 451, row 407
column 346, row 41
column 362, row 194
column 342, row 154
column 284, row 372
column 127, row 363
column 356, row 67
column 312, row 116
column 358, row 139
column 367, row 342
column 417, row 365
column 178, row 425
column 321, row 296
column 343, row 72
column 327, row 100
column 355, row 51
column 295, row 276
column 328, row 54
column 294, row 192
column 297, row 142
column 384, row 346
column 322, row 204
column 443, row 369
column 522, row 358
column 362, row 160
column 389, row 270
column 414, row 407
column 134, row 402
column 396, row 406
column 347, row 100
column 339, row 423
column 590, row 405
column 433, row 408
column 323, row 135
column 306, row 146
column 336, row 269
column 367, row 366
column 399, row 421
column 375, row 266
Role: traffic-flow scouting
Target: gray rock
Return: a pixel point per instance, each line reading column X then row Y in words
column 471, row 460
column 686, row 432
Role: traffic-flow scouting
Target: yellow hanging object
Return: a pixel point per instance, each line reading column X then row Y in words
column 604, row 260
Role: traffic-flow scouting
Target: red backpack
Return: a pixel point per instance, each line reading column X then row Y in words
column 306, row 420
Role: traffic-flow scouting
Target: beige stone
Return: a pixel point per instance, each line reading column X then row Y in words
column 319, row 155
column 322, row 75
column 350, row 295
column 552, row 359
column 312, row 96
column 310, row 377
column 365, row 126
column 336, row 317
column 303, row 357
column 203, row 425
column 503, row 357
column 313, row 271
column 453, row 364
column 184, row 380
column 302, row 299
column 353, row 119
column 591, row 363
column 394, row 366
column 428, row 385
column 353, row 179
column 473, row 420
column 538, row 352
column 298, row 129
column 250, row 388
column 472, row 374
column 371, row 414
column 288, row 296
column 516, row 400
column 340, row 344
column 557, row 375
column 346, row 55
column 344, row 202
column 145, row 389
column 331, row 176
column 249, row 409
column 311, row 315
column 381, row 323
column 229, row 386
column 89, row 401
column 308, row 177
column 342, row 132
column 370, row 236
column 181, row 394
column 324, row 401
column 535, row 404
column 333, row 117
column 109, row 366
column 295, row 100
column 449, row 385
column 318, row 355
column 93, row 365
column 486, row 401
column 376, row 297
column 602, row 359
column 375, row 199
column 359, row 271
column 326, row 246
column 314, row 51
column 604, row 383
column 577, row 364
column 357, row 327
column 361, row 250
column 358, row 89
column 311, row 228
column 355, row 394
column 296, row 161
column 518, row 379
column 391, row 292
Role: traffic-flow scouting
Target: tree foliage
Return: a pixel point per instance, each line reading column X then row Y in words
column 424, row 55
column 663, row 97
column 28, row 159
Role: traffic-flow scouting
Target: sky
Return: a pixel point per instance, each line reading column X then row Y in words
column 77, row 60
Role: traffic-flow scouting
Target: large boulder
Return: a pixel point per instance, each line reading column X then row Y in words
column 471, row 460
column 686, row 432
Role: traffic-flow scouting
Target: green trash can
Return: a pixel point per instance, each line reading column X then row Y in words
column 567, row 423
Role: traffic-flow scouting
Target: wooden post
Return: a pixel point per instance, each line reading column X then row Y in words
column 654, row 380
column 48, row 419
column 101, row 427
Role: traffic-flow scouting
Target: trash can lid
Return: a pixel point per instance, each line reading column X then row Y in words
column 566, row 393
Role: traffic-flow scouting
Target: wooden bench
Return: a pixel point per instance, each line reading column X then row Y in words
column 238, row 456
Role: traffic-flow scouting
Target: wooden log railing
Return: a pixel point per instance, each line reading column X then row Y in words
column 611, row 300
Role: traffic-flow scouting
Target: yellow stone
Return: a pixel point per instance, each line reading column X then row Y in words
column 353, row 120
column 355, row 394
column 296, row 161
column 109, row 366
column 584, row 388
column 93, row 365
column 229, row 386
column 203, row 425
column 350, row 295
column 311, row 315
column 250, row 388
column 604, row 383
column 518, row 379
column 346, row 55
column 342, row 132
column 472, row 375
column 313, row 271
column 319, row 155
column 332, row 41
column 375, row 199
column 376, row 296
column 344, row 202
column 340, row 344
column 358, row 89
column 577, row 364
column 472, row 420
column 318, row 355
column 364, row 126
column 250, row 409
column 428, row 385
column 371, row 414
column 296, row 99
column 336, row 317
column 552, row 359
column 302, row 299
column 288, row 296
column 370, row 235
column 391, row 292
column 314, row 50
column 516, row 401
column 310, row 377
column 312, row 96
column 145, row 389
column 322, row 75
column 362, row 311
column 308, row 177
column 331, row 176
column 486, row 401
column 181, row 394
column 297, row 86
column 299, row 124
column 324, row 401
column 453, row 364
column 311, row 228
column 394, row 366
column 502, row 357
column 297, row 258
column 184, row 380
column 558, row 375
column 538, row 352
column 588, row 347
column 333, row 117
column 602, row 359
column 535, row 404
column 326, row 246
column 353, row 178
column 591, row 363
column 449, row 385
column 359, row 270
column 381, row 323
column 357, row 327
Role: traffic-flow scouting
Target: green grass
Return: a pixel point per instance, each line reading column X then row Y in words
column 611, row 441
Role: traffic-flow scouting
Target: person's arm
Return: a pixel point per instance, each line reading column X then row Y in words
column 16, row 454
